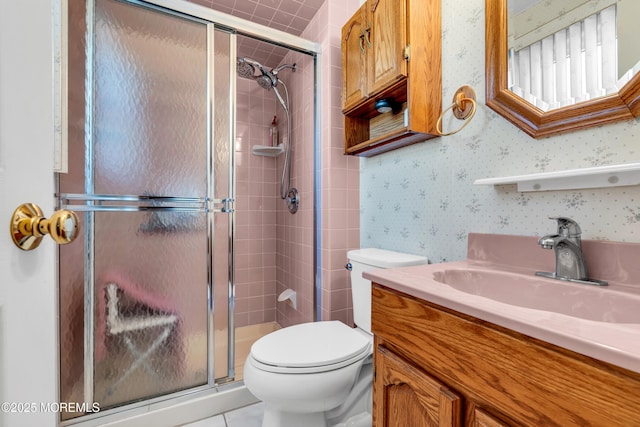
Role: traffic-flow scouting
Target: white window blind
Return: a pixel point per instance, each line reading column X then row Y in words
column 575, row 64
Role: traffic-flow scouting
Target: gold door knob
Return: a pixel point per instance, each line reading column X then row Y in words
column 28, row 226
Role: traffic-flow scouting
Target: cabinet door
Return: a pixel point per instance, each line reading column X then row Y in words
column 387, row 32
column 406, row 396
column 482, row 419
column 354, row 59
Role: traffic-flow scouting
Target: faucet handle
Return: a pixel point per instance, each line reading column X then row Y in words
column 567, row 227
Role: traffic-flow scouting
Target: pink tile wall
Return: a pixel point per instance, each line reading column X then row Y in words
column 295, row 236
column 256, row 199
column 270, row 259
column 340, row 174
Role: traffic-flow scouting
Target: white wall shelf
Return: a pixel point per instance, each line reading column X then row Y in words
column 573, row 179
column 267, row 150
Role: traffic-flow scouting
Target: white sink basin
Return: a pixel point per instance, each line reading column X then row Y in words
column 575, row 300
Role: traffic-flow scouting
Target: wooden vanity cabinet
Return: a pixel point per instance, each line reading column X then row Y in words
column 391, row 49
column 437, row 367
column 412, row 397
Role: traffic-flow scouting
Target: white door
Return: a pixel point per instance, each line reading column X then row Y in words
column 28, row 325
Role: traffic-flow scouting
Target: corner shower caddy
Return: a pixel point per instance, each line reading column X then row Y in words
column 268, row 150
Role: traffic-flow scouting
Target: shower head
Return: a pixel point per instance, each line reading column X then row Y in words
column 267, row 81
column 245, row 69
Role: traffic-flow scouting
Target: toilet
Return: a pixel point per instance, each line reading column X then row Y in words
column 319, row 374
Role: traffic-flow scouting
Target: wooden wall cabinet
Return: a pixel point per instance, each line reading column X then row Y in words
column 391, row 49
column 354, row 58
column 434, row 366
column 374, row 50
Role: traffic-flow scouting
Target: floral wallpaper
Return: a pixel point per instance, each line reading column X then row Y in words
column 421, row 199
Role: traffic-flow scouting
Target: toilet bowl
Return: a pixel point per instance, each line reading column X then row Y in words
column 319, row 374
column 300, row 382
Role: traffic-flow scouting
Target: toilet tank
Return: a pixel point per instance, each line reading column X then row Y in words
column 362, row 260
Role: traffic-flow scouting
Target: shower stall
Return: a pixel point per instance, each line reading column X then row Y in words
column 186, row 241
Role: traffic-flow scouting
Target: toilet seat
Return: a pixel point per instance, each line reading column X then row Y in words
column 310, row 348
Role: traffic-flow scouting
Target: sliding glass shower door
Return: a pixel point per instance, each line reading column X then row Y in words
column 150, row 166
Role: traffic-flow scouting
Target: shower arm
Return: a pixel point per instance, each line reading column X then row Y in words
column 276, row 70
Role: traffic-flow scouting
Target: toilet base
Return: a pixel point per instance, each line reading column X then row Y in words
column 361, row 420
column 278, row 418
column 354, row 412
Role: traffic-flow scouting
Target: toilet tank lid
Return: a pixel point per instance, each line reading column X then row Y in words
column 383, row 258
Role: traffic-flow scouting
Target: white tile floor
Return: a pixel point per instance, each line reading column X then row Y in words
column 249, row 416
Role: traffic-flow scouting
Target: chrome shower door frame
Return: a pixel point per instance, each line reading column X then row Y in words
column 215, row 21
column 90, row 203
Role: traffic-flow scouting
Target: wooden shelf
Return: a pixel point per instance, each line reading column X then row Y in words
column 392, row 140
column 574, row 179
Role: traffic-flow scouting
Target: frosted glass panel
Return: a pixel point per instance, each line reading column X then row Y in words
column 221, row 162
column 221, row 126
column 71, row 312
column 150, row 102
column 145, row 95
column 151, row 327
column 71, row 265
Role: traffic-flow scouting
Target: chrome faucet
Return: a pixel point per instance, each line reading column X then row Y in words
column 570, row 263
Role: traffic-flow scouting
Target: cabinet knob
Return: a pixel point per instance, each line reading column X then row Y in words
column 28, row 226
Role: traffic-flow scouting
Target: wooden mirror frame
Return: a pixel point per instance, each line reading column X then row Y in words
column 537, row 123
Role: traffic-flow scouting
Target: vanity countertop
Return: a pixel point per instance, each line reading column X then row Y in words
column 516, row 256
